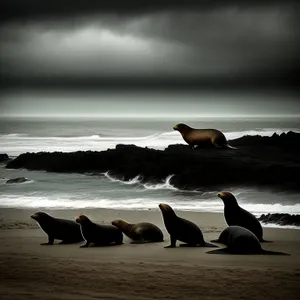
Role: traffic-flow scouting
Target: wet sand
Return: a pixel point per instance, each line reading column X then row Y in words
column 146, row 271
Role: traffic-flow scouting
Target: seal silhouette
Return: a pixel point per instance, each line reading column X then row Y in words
column 101, row 235
column 240, row 240
column 202, row 137
column 143, row 232
column 235, row 215
column 181, row 229
column 67, row 231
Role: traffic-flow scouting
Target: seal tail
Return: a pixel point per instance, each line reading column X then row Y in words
column 274, row 253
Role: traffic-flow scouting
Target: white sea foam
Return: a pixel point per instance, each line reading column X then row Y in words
column 135, row 180
column 60, row 201
column 280, row 226
column 14, row 144
column 165, row 185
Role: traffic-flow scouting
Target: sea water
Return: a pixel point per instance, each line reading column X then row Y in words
column 73, row 191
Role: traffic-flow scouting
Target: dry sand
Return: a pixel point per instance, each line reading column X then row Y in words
column 147, row 271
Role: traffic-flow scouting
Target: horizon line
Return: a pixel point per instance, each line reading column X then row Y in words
column 150, row 116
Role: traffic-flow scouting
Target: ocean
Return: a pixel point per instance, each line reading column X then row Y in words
column 76, row 191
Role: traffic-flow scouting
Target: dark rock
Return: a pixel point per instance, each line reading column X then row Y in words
column 284, row 140
column 259, row 161
column 280, row 219
column 3, row 157
column 17, row 180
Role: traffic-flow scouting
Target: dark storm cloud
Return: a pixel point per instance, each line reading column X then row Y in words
column 136, row 42
column 30, row 9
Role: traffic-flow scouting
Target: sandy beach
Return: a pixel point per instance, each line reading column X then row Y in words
column 146, row 271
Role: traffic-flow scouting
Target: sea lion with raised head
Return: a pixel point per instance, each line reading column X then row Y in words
column 143, row 232
column 101, row 235
column 235, row 215
column 240, row 240
column 181, row 229
column 67, row 231
column 202, row 137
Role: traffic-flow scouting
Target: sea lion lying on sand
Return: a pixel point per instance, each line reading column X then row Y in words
column 143, row 232
column 240, row 240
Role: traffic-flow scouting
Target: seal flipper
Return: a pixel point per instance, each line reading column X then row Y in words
column 274, row 253
column 219, row 251
column 85, row 245
column 210, row 245
column 173, row 243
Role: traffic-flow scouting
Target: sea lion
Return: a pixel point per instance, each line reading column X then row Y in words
column 143, row 232
column 101, row 235
column 235, row 215
column 182, row 229
column 202, row 137
column 67, row 231
column 240, row 240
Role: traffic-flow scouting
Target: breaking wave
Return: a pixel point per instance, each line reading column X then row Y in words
column 14, row 144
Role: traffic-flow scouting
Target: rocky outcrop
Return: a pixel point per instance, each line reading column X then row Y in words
column 280, row 219
column 258, row 161
column 17, row 180
column 3, row 157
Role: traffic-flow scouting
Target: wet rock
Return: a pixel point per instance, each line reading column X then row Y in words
column 17, row 180
column 3, row 157
column 258, row 161
column 280, row 219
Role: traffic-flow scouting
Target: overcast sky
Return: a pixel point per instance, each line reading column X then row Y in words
column 84, row 42
column 117, row 46
column 151, row 103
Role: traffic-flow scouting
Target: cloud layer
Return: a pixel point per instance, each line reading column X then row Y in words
column 83, row 41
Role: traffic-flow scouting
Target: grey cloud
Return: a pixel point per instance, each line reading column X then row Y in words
column 212, row 40
column 14, row 10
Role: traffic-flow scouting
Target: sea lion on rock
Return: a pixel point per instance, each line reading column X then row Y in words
column 101, row 235
column 240, row 240
column 235, row 215
column 143, row 232
column 182, row 229
column 202, row 137
column 67, row 231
